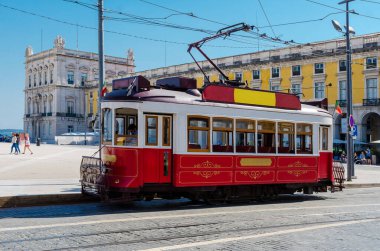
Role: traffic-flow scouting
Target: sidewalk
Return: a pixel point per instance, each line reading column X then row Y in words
column 54, row 170
column 51, row 169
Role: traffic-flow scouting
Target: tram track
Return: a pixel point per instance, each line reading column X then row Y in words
column 206, row 236
column 248, row 226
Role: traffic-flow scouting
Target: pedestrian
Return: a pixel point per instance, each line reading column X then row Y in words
column 27, row 143
column 14, row 141
column 18, row 143
column 362, row 157
column 368, row 156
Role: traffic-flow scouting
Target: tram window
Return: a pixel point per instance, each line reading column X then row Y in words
column 166, row 131
column 198, row 134
column 324, row 138
column 125, row 127
column 222, row 138
column 151, row 130
column 304, row 138
column 266, row 137
column 245, row 135
column 107, row 126
column 285, row 137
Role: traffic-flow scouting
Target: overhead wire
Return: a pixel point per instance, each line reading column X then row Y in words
column 109, row 31
column 265, row 14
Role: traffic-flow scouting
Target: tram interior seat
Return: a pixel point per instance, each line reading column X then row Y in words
column 284, row 150
column 266, row 149
column 219, row 148
column 194, row 146
column 245, row 149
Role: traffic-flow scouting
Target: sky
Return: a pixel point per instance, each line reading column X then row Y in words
column 139, row 26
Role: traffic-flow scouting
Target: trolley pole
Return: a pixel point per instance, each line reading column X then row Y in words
column 101, row 66
column 350, row 148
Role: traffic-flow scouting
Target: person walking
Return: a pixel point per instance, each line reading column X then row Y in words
column 14, row 141
column 18, row 143
column 27, row 143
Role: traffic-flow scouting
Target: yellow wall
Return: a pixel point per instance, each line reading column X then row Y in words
column 358, row 81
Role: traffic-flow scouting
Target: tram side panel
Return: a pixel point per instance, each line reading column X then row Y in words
column 122, row 167
column 221, row 170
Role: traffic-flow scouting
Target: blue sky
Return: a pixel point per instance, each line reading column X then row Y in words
column 20, row 30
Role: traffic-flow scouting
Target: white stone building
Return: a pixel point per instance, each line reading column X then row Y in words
column 55, row 84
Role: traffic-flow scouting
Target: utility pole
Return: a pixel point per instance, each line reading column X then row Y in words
column 350, row 148
column 101, row 67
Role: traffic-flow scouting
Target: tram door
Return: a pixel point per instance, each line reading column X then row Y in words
column 158, row 149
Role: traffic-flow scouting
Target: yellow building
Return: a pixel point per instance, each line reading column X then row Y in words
column 313, row 71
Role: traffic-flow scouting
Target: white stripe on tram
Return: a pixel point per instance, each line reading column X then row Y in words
column 255, row 236
column 175, row 216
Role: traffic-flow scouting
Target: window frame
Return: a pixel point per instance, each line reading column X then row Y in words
column 299, row 71
column 223, row 129
column 324, row 129
column 207, row 129
column 253, row 74
column 169, row 131
column 146, row 130
column 246, row 131
column 241, row 76
column 69, row 80
column 340, row 65
column 291, row 134
column 273, row 71
column 340, row 92
column 304, row 133
column 263, row 131
column 316, row 68
column 315, row 89
column 369, row 62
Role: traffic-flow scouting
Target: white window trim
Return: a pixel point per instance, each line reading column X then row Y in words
column 300, row 71
column 315, row 89
column 279, row 72
column 323, row 66
column 254, row 74
column 377, row 87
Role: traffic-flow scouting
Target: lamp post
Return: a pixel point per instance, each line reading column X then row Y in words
column 348, row 30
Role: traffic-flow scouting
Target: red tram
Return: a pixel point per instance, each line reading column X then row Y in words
column 172, row 140
column 221, row 142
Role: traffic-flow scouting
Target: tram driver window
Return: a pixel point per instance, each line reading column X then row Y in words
column 198, row 134
column 107, row 126
column 125, row 127
column 222, row 135
column 151, row 124
column 245, row 135
column 304, row 138
column 285, row 137
column 324, row 135
column 266, row 131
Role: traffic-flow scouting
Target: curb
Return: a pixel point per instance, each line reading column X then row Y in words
column 361, row 185
column 48, row 199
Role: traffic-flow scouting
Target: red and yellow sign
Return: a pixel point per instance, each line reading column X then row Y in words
column 228, row 94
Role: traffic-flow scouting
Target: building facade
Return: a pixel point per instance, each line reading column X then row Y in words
column 313, row 71
column 56, row 81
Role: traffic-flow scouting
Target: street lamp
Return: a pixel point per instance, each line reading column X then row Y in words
column 348, row 30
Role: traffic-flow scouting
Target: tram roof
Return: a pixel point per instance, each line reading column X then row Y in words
column 194, row 97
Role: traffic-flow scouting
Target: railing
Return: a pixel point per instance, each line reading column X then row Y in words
column 342, row 103
column 371, row 102
column 91, row 175
column 338, row 171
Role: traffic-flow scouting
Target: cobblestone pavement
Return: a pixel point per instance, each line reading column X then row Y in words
column 347, row 221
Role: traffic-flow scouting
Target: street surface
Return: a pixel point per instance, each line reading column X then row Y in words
column 348, row 220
